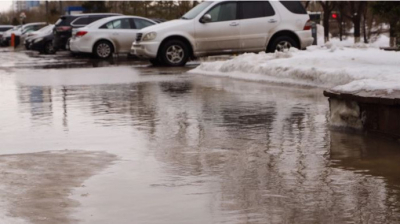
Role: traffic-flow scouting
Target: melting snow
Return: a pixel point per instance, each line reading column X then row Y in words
column 346, row 69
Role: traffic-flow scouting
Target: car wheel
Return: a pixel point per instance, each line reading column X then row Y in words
column 174, row 53
column 282, row 44
column 48, row 48
column 155, row 62
column 67, row 44
column 103, row 49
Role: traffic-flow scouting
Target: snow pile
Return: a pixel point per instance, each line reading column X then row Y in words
column 348, row 41
column 377, row 42
column 343, row 69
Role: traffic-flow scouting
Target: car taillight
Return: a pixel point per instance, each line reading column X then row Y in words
column 80, row 33
column 308, row 25
column 63, row 28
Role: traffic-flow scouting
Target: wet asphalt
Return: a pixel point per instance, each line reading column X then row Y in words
column 177, row 147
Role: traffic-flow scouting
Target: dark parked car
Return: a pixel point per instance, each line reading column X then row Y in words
column 64, row 26
column 43, row 44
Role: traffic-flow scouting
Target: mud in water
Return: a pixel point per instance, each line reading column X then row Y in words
column 37, row 186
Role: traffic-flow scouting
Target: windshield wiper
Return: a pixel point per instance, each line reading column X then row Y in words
column 184, row 17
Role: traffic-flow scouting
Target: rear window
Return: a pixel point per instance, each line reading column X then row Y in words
column 65, row 20
column 256, row 9
column 141, row 23
column 81, row 21
column 118, row 24
column 2, row 29
column 294, row 7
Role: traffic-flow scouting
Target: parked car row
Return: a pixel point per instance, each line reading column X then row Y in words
column 210, row 28
column 66, row 25
column 107, row 36
column 21, row 32
column 4, row 28
column 41, row 40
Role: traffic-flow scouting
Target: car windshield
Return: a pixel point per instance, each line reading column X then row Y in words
column 46, row 28
column 196, row 10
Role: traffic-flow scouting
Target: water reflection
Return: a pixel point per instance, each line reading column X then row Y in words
column 265, row 153
column 38, row 100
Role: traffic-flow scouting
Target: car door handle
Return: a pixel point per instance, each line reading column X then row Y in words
column 234, row 24
column 272, row 21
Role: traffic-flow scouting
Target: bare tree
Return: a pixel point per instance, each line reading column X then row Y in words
column 356, row 10
column 341, row 6
column 364, row 15
column 327, row 7
column 306, row 4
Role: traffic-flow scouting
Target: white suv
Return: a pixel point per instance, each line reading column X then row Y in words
column 225, row 27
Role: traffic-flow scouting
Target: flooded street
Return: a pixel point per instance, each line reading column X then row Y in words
column 87, row 141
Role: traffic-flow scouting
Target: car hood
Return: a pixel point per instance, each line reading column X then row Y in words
column 173, row 24
column 40, row 35
column 8, row 33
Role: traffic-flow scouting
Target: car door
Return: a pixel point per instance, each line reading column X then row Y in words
column 257, row 19
column 121, row 32
column 222, row 33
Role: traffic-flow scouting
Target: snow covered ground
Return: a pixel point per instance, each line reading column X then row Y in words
column 347, row 69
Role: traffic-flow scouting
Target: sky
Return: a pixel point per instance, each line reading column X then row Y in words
column 5, row 5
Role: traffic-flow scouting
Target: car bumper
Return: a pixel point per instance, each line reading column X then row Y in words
column 60, row 40
column 78, row 45
column 147, row 50
column 305, row 38
column 37, row 46
column 5, row 41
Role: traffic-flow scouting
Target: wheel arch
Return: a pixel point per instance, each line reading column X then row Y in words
column 107, row 40
column 178, row 37
column 283, row 33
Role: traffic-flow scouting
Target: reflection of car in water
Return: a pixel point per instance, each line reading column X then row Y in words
column 109, row 35
column 226, row 27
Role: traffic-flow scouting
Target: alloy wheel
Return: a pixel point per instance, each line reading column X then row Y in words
column 175, row 54
column 283, row 46
column 49, row 48
column 103, row 50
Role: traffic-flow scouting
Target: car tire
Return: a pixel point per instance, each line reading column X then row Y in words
column 282, row 43
column 103, row 49
column 49, row 48
column 174, row 53
column 156, row 62
column 67, row 45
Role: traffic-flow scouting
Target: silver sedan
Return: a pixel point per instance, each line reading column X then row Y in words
column 109, row 35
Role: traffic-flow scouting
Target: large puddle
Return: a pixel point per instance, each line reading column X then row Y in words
column 193, row 149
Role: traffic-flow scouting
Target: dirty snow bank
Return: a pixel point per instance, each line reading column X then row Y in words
column 343, row 69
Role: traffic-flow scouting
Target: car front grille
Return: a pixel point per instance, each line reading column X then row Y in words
column 139, row 37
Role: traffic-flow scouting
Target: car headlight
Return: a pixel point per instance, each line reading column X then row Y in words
column 149, row 36
column 38, row 40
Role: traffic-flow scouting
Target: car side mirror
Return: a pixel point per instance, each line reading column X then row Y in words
column 206, row 18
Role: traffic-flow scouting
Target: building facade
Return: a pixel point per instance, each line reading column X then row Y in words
column 24, row 5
